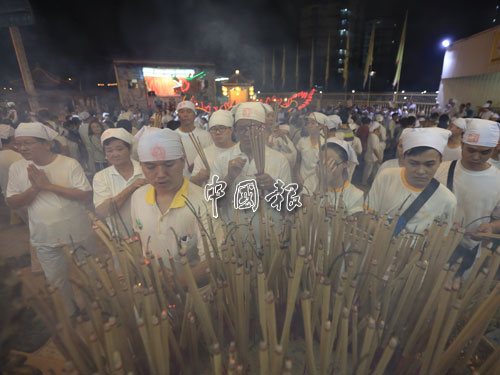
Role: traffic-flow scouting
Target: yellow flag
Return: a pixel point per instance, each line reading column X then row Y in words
column 327, row 71
column 297, row 69
column 273, row 68
column 399, row 57
column 369, row 57
column 346, row 61
column 311, row 75
column 283, row 69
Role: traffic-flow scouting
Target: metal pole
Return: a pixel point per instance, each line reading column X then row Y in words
column 29, row 87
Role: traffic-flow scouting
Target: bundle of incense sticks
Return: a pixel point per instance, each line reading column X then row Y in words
column 258, row 143
column 199, row 150
column 358, row 300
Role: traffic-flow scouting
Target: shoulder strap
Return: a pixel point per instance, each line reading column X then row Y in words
column 416, row 205
column 451, row 173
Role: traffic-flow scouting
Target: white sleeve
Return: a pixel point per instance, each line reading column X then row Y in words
column 14, row 186
column 198, row 164
column 218, row 168
column 375, row 194
column 78, row 179
column 102, row 191
column 284, row 171
column 442, row 173
column 356, row 205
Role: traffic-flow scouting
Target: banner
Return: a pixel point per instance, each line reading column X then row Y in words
column 346, row 61
column 369, row 57
column 399, row 57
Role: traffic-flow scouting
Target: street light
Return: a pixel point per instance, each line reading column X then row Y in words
column 445, row 43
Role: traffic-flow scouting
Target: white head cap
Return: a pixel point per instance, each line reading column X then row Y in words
column 285, row 127
column 435, row 138
column 83, row 115
column 486, row 105
column 250, row 111
column 105, row 114
column 482, row 133
column 267, row 108
column 6, row 131
column 35, row 129
column 221, row 117
column 379, row 118
column 158, row 144
column 459, row 122
column 186, row 104
column 351, row 154
column 119, row 133
column 334, row 121
column 11, row 104
column 374, row 126
column 319, row 117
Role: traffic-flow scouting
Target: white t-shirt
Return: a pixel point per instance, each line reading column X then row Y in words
column 309, row 157
column 391, row 163
column 286, row 147
column 107, row 184
column 478, row 195
column 450, row 154
column 7, row 157
column 372, row 144
column 486, row 115
column 351, row 195
column 494, row 162
column 202, row 135
column 383, row 139
column 211, row 153
column 156, row 230
column 53, row 219
column 390, row 190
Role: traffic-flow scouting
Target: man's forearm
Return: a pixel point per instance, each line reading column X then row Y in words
column 23, row 199
column 69, row 193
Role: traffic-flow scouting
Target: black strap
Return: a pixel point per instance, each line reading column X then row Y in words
column 451, row 173
column 416, row 206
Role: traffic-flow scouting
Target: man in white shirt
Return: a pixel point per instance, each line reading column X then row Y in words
column 54, row 189
column 485, row 112
column 373, row 156
column 159, row 210
column 187, row 113
column 83, row 130
column 395, row 189
column 221, row 127
column 476, row 184
column 8, row 155
column 277, row 139
column 453, row 150
column 495, row 156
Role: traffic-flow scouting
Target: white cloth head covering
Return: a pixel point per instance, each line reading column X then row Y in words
column 374, row 126
column 319, row 117
column 435, row 138
column 221, row 117
column 10, row 104
column 250, row 111
column 495, row 116
column 104, row 114
column 334, row 121
column 35, row 129
column 119, row 133
column 83, row 115
column 351, row 154
column 158, row 144
column 267, row 108
column 186, row 104
column 482, row 133
column 486, row 105
column 6, row 131
column 459, row 122
column 284, row 127
column 379, row 117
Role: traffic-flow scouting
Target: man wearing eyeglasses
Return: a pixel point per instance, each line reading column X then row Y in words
column 221, row 126
column 54, row 189
column 238, row 164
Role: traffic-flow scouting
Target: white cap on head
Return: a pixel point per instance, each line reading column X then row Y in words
column 105, row 114
column 83, row 115
column 319, row 117
column 249, row 111
column 379, row 117
column 482, row 133
column 486, row 105
column 459, row 122
column 285, row 127
column 186, row 104
column 334, row 121
column 351, row 154
column 119, row 133
column 158, row 145
column 10, row 104
column 374, row 126
column 267, row 108
column 435, row 138
column 35, row 129
column 6, row 131
column 221, row 117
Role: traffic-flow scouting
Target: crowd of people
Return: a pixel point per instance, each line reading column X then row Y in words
column 146, row 176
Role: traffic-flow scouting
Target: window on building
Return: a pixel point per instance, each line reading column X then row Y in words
column 340, row 70
column 342, row 52
column 344, row 11
column 343, row 22
column 343, row 32
column 341, row 61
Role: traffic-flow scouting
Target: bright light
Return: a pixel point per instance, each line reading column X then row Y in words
column 69, row 79
column 372, row 73
column 445, row 43
column 394, row 92
column 237, row 72
column 221, row 79
column 403, row 91
column 425, row 92
column 353, row 91
column 157, row 72
column 321, row 92
column 258, row 92
column 437, row 92
column 404, row 98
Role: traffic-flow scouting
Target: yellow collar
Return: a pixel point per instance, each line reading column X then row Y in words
column 338, row 190
column 405, row 183
column 179, row 198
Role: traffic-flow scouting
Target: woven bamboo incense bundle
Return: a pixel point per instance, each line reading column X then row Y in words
column 357, row 301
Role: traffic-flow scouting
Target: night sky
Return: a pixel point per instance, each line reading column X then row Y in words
column 79, row 38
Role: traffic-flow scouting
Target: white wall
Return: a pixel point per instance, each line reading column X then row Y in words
column 474, row 89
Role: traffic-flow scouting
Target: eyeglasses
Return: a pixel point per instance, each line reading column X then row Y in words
column 218, row 129
column 26, row 144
